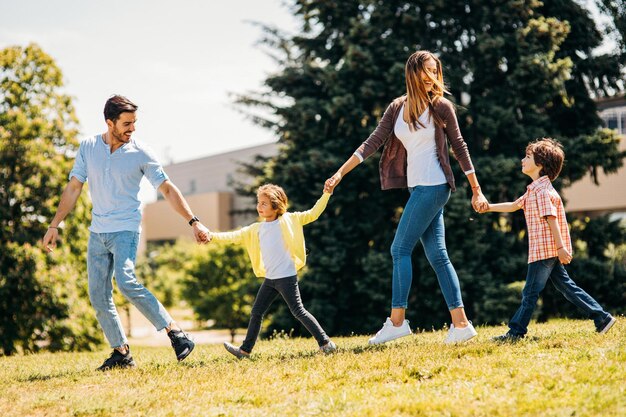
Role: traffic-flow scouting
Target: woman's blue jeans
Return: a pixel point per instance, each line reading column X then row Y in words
column 422, row 220
column 536, row 278
column 114, row 253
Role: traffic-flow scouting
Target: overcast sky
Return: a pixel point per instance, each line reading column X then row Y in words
column 177, row 60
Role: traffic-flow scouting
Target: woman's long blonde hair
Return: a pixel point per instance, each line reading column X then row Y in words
column 417, row 98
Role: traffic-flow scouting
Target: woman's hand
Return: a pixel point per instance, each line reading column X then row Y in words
column 332, row 182
column 479, row 202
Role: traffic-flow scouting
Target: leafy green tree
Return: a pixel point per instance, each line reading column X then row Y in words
column 43, row 299
column 220, row 285
column 517, row 70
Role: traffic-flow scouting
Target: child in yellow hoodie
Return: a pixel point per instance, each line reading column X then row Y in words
column 276, row 250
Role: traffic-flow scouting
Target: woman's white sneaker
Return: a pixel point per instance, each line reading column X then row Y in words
column 390, row 332
column 460, row 335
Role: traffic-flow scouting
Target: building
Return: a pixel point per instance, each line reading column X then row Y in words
column 207, row 184
column 585, row 197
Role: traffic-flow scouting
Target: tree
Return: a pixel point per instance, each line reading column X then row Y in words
column 220, row 285
column 43, row 299
column 517, row 70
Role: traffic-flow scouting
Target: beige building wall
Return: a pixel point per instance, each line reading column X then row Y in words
column 161, row 222
column 208, row 186
column 610, row 194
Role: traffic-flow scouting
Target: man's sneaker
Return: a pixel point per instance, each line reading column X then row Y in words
column 235, row 351
column 329, row 347
column 181, row 343
column 118, row 360
column 460, row 335
column 508, row 338
column 607, row 326
column 390, row 332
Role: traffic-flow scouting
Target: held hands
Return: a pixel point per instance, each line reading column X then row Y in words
column 201, row 233
column 479, row 202
column 332, row 182
column 564, row 256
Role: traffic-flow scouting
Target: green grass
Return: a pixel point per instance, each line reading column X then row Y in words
column 563, row 369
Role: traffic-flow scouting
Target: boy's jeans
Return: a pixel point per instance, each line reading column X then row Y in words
column 538, row 274
column 422, row 220
column 114, row 253
column 290, row 291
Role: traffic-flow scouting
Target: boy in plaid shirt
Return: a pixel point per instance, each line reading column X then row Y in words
column 549, row 241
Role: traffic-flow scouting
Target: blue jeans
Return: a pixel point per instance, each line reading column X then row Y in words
column 114, row 253
column 422, row 219
column 536, row 278
column 290, row 291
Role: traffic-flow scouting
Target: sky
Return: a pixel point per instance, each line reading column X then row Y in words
column 180, row 62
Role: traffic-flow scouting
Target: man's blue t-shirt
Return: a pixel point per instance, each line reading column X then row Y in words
column 114, row 180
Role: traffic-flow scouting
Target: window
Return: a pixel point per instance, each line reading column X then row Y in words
column 615, row 118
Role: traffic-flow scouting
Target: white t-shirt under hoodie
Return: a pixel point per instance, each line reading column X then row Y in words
column 423, row 167
column 274, row 252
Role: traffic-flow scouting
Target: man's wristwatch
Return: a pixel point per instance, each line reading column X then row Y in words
column 193, row 220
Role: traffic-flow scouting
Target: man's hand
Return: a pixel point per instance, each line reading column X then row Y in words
column 49, row 241
column 201, row 233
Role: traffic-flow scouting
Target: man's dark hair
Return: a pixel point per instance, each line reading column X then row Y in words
column 117, row 105
column 548, row 153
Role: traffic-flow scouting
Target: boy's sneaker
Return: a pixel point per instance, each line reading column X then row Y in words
column 329, row 347
column 118, row 360
column 607, row 325
column 460, row 335
column 508, row 338
column 390, row 332
column 235, row 351
column 181, row 343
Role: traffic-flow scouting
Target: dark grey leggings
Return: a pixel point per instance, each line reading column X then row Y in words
column 289, row 290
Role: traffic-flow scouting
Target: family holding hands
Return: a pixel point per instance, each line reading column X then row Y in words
column 415, row 132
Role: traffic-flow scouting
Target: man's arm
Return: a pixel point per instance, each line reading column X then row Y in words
column 173, row 196
column 68, row 201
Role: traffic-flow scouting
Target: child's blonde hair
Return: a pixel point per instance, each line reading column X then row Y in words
column 548, row 153
column 276, row 195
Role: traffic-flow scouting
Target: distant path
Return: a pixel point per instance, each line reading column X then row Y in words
column 144, row 334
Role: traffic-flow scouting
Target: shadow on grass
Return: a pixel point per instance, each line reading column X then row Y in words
column 55, row 375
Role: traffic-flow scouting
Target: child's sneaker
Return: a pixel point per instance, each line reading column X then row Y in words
column 390, row 332
column 508, row 338
column 329, row 347
column 607, row 325
column 235, row 351
column 460, row 335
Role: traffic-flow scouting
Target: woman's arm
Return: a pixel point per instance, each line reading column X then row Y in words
column 461, row 153
column 377, row 139
column 349, row 165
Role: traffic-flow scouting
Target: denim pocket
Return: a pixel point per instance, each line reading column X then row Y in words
column 548, row 263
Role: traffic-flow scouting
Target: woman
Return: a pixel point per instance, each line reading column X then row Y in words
column 413, row 131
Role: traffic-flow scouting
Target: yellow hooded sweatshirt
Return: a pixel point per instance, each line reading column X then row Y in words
column 292, row 231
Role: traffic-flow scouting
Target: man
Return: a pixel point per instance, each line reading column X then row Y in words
column 115, row 164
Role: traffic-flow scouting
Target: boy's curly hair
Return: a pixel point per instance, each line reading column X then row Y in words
column 548, row 153
column 276, row 195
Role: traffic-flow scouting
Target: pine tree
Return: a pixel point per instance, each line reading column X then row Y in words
column 517, row 70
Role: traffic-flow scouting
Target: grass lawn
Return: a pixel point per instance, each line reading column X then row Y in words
column 562, row 369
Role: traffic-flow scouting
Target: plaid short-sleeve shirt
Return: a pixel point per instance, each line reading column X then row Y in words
column 539, row 201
